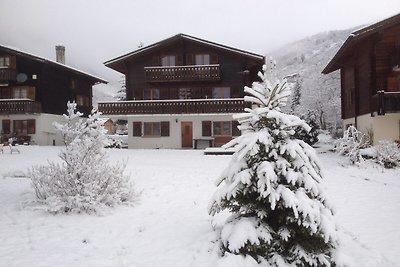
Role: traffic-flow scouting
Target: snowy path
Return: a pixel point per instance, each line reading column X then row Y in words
column 169, row 224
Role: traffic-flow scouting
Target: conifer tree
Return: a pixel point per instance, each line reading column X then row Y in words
column 279, row 215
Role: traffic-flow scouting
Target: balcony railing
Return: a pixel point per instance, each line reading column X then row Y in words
column 386, row 102
column 183, row 73
column 19, row 106
column 190, row 106
column 7, row 74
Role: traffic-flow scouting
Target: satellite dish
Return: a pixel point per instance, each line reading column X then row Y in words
column 21, row 77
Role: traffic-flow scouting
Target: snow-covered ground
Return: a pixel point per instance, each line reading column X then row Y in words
column 168, row 225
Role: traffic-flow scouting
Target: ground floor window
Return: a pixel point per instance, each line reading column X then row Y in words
column 151, row 129
column 24, row 126
column 222, row 128
column 6, row 127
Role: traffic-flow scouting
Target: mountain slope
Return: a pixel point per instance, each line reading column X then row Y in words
column 307, row 58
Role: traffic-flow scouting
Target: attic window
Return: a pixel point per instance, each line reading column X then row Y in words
column 4, row 61
column 168, row 61
column 202, row 59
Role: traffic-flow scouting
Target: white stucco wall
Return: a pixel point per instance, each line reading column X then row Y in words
column 174, row 140
column 44, row 129
column 385, row 127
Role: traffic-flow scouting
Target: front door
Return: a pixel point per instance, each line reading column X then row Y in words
column 187, row 133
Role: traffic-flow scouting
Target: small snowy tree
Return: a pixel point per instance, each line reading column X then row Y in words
column 279, row 214
column 84, row 181
column 351, row 143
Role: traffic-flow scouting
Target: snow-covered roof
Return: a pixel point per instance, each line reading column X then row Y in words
column 46, row 60
column 186, row 37
column 356, row 36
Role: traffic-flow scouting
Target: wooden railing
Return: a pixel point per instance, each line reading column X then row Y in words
column 183, row 73
column 192, row 106
column 7, row 74
column 386, row 102
column 19, row 106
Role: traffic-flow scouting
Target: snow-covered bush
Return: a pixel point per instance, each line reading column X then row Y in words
column 84, row 181
column 279, row 214
column 351, row 143
column 388, row 154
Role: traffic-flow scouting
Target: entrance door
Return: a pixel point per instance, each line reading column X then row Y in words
column 187, row 133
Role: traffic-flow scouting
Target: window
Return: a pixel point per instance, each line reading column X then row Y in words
column 151, row 94
column 151, row 129
column 221, row 92
column 24, row 126
column 4, row 61
column 206, row 128
column 168, row 61
column 222, row 128
column 202, row 59
column 23, row 92
column 82, row 100
column 185, row 93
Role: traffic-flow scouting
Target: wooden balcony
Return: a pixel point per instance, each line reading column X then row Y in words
column 190, row 106
column 183, row 73
column 19, row 106
column 386, row 102
column 7, row 75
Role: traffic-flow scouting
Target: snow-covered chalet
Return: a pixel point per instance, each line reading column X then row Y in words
column 34, row 92
column 182, row 92
column 369, row 63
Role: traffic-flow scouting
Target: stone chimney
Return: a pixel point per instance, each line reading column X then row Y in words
column 60, row 54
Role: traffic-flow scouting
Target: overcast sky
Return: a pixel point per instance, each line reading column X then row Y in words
column 95, row 31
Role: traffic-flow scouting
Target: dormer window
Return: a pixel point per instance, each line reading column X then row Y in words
column 167, row 61
column 202, row 59
column 4, row 62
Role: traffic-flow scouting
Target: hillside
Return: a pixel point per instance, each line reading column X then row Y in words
column 307, row 58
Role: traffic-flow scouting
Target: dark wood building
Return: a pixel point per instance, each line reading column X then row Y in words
column 183, row 75
column 34, row 91
column 369, row 64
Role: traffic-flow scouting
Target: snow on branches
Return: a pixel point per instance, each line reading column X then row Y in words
column 279, row 214
column 84, row 181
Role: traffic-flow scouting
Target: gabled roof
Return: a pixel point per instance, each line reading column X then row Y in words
column 355, row 38
column 118, row 60
column 19, row 52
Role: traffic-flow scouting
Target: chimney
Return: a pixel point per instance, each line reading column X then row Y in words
column 60, row 54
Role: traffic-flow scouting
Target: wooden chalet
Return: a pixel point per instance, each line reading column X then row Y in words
column 182, row 91
column 369, row 64
column 34, row 92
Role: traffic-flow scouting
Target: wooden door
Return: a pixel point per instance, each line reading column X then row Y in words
column 187, row 133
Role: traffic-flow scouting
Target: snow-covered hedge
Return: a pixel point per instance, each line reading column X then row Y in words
column 84, row 181
column 388, row 154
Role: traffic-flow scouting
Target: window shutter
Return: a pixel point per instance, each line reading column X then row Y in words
column 206, row 128
column 137, row 128
column 31, row 93
column 179, row 60
column 214, row 59
column 208, row 92
column 156, row 61
column 31, row 127
column 164, row 93
column 165, row 128
column 6, row 126
column 235, row 130
column 189, row 59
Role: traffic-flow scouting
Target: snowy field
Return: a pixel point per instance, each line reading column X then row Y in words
column 168, row 225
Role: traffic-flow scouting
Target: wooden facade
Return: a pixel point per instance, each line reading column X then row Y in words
column 369, row 62
column 31, row 86
column 198, row 66
column 198, row 82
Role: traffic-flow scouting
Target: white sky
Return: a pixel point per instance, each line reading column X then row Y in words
column 95, row 31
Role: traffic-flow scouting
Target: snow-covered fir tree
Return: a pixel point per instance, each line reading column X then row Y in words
column 279, row 214
column 311, row 136
column 84, row 181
